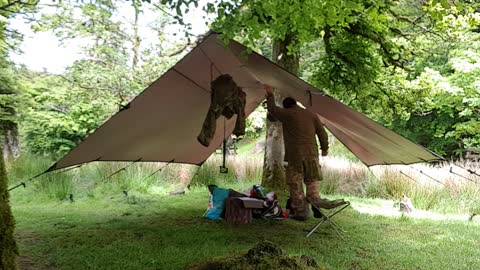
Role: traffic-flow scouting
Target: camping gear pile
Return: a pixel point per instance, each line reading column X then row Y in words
column 262, row 205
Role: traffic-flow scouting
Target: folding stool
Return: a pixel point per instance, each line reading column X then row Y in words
column 327, row 217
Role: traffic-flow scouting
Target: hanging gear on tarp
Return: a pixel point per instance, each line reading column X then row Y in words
column 264, row 206
column 227, row 99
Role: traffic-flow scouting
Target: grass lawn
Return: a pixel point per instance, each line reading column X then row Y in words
column 169, row 232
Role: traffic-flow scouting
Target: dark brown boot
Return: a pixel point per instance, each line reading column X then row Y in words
column 313, row 197
column 298, row 205
column 300, row 213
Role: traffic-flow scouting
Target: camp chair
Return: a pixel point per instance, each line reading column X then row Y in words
column 327, row 217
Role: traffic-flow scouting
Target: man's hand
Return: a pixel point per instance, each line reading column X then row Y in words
column 268, row 89
column 324, row 153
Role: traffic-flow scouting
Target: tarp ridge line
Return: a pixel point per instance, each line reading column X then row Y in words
column 276, row 64
column 210, row 59
column 71, row 168
column 188, row 78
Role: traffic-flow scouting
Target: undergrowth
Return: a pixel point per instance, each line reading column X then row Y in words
column 429, row 187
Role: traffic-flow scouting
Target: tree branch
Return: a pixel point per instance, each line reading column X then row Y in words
column 85, row 87
column 414, row 22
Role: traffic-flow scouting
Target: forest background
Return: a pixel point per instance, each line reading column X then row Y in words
column 419, row 79
column 411, row 65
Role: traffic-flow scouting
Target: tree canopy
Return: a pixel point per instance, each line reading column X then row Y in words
column 410, row 64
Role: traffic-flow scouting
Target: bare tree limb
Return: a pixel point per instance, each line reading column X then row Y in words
column 414, row 22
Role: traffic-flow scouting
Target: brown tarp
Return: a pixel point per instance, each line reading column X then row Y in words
column 162, row 123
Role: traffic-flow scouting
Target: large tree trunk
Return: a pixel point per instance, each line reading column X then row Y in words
column 11, row 149
column 273, row 169
column 8, row 247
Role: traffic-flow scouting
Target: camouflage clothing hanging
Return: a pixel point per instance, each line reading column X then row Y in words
column 227, row 99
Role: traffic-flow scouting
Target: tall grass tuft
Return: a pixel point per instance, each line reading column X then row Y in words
column 343, row 176
column 240, row 170
column 429, row 187
column 57, row 186
column 52, row 185
column 26, row 166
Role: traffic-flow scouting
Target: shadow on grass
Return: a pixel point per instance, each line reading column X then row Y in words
column 169, row 232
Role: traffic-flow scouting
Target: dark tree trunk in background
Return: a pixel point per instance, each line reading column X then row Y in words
column 273, row 169
column 8, row 247
column 136, row 36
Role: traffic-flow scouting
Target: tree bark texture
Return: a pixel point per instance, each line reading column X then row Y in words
column 11, row 148
column 273, row 169
column 8, row 246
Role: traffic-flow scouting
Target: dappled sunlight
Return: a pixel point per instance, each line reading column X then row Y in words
column 426, row 174
column 388, row 209
column 337, row 163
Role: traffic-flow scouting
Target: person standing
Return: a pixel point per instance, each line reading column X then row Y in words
column 300, row 127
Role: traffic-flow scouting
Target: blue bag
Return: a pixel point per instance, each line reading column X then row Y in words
column 219, row 195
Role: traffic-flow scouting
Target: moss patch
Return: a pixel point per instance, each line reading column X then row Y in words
column 264, row 256
column 8, row 246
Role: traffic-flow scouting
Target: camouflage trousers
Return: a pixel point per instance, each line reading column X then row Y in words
column 299, row 172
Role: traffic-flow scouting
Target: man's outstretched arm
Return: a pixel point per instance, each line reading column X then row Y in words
column 273, row 109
